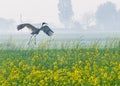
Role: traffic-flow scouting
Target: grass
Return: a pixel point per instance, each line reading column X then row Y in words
column 62, row 65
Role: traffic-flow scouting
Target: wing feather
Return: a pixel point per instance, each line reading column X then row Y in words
column 47, row 30
column 29, row 26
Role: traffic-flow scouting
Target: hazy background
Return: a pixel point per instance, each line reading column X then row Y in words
column 69, row 19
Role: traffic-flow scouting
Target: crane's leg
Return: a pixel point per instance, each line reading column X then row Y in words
column 30, row 40
column 35, row 38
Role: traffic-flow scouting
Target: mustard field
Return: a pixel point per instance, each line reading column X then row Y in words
column 77, row 66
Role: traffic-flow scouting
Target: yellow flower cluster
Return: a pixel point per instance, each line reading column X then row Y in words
column 93, row 67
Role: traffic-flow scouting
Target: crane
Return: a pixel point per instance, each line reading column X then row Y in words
column 35, row 31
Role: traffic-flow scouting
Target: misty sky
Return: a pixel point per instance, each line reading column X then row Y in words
column 85, row 14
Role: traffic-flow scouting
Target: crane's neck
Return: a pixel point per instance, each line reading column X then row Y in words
column 43, row 26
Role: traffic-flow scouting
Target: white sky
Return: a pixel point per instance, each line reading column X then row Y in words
column 37, row 11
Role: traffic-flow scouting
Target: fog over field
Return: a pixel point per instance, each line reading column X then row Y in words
column 102, row 24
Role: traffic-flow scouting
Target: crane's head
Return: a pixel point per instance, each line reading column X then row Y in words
column 45, row 28
column 44, row 24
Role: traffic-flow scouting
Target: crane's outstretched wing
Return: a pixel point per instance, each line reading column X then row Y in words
column 47, row 30
column 29, row 26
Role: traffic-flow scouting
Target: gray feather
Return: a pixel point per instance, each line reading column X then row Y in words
column 47, row 30
column 29, row 26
